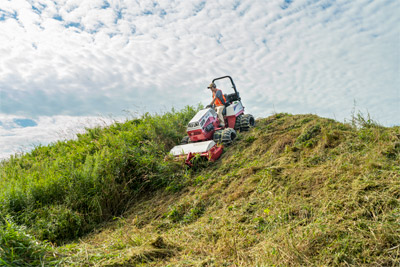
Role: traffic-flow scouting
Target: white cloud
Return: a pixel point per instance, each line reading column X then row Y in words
column 15, row 137
column 80, row 58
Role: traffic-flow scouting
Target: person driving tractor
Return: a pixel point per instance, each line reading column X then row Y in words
column 219, row 100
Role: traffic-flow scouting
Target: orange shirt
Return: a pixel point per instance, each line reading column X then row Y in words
column 217, row 101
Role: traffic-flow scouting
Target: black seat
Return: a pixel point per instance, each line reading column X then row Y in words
column 227, row 103
column 232, row 97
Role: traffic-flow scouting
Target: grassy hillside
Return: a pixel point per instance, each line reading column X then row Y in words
column 295, row 190
column 65, row 190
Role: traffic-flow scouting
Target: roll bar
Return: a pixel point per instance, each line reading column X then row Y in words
column 233, row 84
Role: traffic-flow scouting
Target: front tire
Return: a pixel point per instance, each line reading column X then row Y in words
column 217, row 137
column 228, row 135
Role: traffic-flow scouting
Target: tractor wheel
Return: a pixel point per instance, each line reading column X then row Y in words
column 228, row 135
column 185, row 140
column 237, row 122
column 217, row 137
column 247, row 122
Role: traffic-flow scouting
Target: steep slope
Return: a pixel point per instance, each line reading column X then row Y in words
column 295, row 190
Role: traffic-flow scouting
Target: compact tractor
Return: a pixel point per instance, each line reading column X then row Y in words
column 205, row 137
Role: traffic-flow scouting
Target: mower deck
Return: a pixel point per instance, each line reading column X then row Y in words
column 207, row 149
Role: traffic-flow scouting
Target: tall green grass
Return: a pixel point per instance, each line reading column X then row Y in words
column 66, row 189
column 17, row 248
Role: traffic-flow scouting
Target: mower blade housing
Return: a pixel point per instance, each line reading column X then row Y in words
column 207, row 149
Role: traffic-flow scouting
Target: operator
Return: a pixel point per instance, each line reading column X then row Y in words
column 219, row 101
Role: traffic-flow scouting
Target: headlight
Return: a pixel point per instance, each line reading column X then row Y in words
column 193, row 124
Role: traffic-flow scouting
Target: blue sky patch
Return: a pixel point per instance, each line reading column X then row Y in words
column 37, row 11
column 199, row 7
column 133, row 29
column 286, row 4
column 58, row 17
column 98, row 26
column 244, row 10
column 105, row 5
column 163, row 13
column 5, row 15
column 25, row 122
column 74, row 25
column 38, row 8
column 147, row 12
column 218, row 38
column 119, row 15
column 236, row 5
column 326, row 5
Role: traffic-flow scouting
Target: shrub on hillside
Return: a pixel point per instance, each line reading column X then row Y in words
column 65, row 189
column 17, row 248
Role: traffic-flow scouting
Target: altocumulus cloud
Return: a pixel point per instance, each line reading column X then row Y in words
column 19, row 134
column 83, row 58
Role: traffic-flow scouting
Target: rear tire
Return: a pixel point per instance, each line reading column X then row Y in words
column 228, row 135
column 237, row 122
column 217, row 137
column 247, row 121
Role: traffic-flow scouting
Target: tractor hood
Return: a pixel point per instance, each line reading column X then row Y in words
column 200, row 119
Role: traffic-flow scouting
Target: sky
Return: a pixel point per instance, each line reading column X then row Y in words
column 70, row 64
